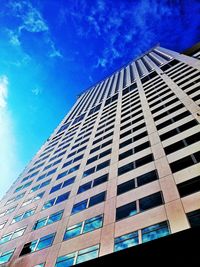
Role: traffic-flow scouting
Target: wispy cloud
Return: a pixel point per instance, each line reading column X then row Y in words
column 30, row 20
column 36, row 91
column 9, row 163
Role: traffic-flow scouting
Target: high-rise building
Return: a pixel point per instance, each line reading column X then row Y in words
column 121, row 169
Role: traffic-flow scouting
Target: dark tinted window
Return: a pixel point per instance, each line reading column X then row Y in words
column 150, row 202
column 126, row 211
column 189, row 187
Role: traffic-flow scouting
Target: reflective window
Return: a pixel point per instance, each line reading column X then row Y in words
column 150, row 201
column 126, row 241
column 48, row 220
column 79, row 206
column 88, row 202
column 155, row 231
column 194, row 218
column 87, row 254
column 55, row 200
column 43, row 242
column 126, row 211
column 12, row 235
column 84, row 227
column 6, row 256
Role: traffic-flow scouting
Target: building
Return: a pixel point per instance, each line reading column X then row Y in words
column 121, row 169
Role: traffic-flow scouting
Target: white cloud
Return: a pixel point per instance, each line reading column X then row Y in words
column 9, row 163
column 36, row 91
column 31, row 20
column 3, row 90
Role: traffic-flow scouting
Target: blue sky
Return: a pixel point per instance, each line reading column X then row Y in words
column 51, row 50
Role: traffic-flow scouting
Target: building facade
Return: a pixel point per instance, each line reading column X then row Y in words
column 120, row 170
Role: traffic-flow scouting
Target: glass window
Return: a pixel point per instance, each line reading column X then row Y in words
column 103, row 165
column 84, row 187
column 126, row 168
column 87, row 254
column 147, row 178
column 93, row 223
column 55, row 217
column 2, row 225
column 65, row 261
column 68, row 182
column 126, row 241
column 18, row 233
column 55, row 188
column 49, row 204
column 79, row 207
column 73, row 231
column 45, row 242
column 194, row 218
column 150, row 201
column 39, row 265
column 155, row 231
column 189, row 187
column 125, row 187
column 126, row 211
column 100, row 180
column 40, row 223
column 97, row 199
column 62, row 198
column 88, row 172
column 6, row 256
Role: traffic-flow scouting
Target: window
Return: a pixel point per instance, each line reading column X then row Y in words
column 101, row 146
column 84, row 227
column 185, row 162
column 126, row 241
column 48, row 220
column 24, row 215
column 194, row 218
column 172, row 120
column 189, row 187
column 39, row 186
column 62, row 185
column 78, row 256
column 6, row 256
column 8, row 211
column 40, row 265
column 73, row 169
column 55, row 201
column 88, row 202
column 133, row 139
column 72, row 161
column 155, row 231
column 131, row 123
column 150, row 201
column 33, row 199
column 178, row 130
column 136, row 128
column 23, row 186
column 95, row 182
column 15, row 198
column 87, row 254
column 124, row 187
column 136, row 149
column 41, row 243
column 2, row 225
column 46, row 174
column 101, row 155
column 126, row 211
column 97, row 199
column 143, row 204
column 182, row 143
column 97, row 168
column 12, row 235
column 132, row 165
